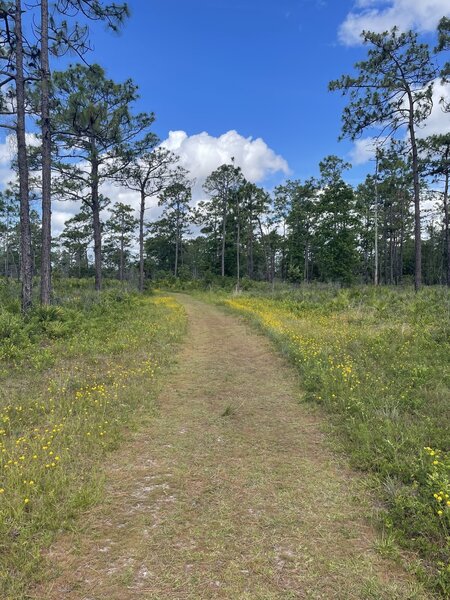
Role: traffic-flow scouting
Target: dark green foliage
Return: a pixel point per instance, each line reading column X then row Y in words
column 120, row 231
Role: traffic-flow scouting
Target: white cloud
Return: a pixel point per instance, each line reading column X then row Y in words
column 437, row 123
column 8, row 151
column 363, row 151
column 200, row 154
column 382, row 15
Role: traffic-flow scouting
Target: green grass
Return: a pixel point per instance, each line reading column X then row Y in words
column 378, row 361
column 74, row 379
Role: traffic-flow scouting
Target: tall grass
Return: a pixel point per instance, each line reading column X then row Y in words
column 74, row 377
column 378, row 360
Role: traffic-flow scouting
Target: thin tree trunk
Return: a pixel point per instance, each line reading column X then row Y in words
column 238, row 255
column 416, row 182
column 402, row 238
column 447, row 223
column 250, row 267
column 121, row 259
column 26, row 262
column 141, row 242
column 272, row 268
column 375, row 275
column 305, row 266
column 385, row 244
column 46, row 285
column 238, row 244
column 265, row 250
column 283, row 254
column 391, row 246
column 224, row 233
column 95, row 205
column 176, row 254
column 6, row 244
column 394, row 259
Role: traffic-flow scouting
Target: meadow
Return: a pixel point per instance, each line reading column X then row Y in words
column 76, row 379
column 79, row 376
column 377, row 360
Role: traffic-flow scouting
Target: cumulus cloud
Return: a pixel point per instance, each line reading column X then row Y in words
column 8, row 151
column 363, row 151
column 382, row 15
column 439, row 121
column 200, row 154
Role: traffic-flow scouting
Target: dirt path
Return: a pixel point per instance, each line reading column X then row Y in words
column 229, row 493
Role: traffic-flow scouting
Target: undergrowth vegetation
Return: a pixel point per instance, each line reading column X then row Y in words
column 74, row 378
column 378, row 360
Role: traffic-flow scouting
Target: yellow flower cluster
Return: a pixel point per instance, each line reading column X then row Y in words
column 378, row 360
column 72, row 415
column 439, row 480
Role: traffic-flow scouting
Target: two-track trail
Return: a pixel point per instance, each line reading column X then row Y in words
column 229, row 492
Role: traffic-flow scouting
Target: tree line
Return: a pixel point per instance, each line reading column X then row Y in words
column 76, row 130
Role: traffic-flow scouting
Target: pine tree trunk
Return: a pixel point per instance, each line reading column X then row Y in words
column 385, row 245
column 250, row 267
column 416, row 182
column 402, row 239
column 176, row 254
column 95, row 205
column 121, row 264
column 141, row 242
column 238, row 243
column 46, row 285
column 306, row 260
column 265, row 250
column 26, row 263
column 391, row 246
column 447, row 224
column 376, row 267
column 238, row 255
column 224, row 233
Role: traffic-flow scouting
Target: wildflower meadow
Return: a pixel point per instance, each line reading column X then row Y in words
column 66, row 401
column 378, row 361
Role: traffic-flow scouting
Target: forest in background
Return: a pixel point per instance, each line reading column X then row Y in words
column 75, row 130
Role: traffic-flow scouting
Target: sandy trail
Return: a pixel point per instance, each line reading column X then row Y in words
column 229, row 492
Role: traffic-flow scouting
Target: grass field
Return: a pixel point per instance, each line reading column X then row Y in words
column 378, row 361
column 78, row 377
column 74, row 379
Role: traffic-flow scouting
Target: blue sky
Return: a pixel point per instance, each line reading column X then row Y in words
column 247, row 78
column 260, row 67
